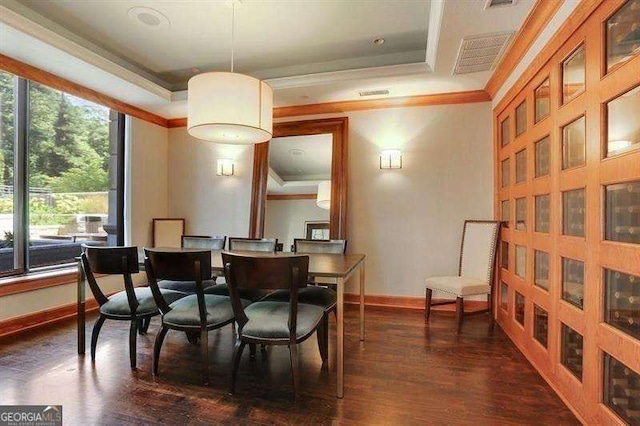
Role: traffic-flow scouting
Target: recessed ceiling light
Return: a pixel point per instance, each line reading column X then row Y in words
column 378, row 41
column 148, row 17
column 297, row 152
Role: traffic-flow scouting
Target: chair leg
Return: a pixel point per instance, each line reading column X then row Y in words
column 323, row 339
column 94, row 335
column 237, row 354
column 204, row 353
column 133, row 337
column 252, row 350
column 143, row 325
column 427, row 304
column 293, row 352
column 192, row 337
column 156, row 348
column 459, row 312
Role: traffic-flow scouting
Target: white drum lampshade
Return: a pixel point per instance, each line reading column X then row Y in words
column 231, row 108
column 324, row 195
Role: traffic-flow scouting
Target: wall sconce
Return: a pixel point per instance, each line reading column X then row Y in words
column 391, row 159
column 323, row 199
column 225, row 167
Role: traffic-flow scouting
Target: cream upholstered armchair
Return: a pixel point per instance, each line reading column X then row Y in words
column 475, row 271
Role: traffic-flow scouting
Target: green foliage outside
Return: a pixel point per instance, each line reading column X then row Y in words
column 68, row 151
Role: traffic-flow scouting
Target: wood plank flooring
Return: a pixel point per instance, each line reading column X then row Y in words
column 405, row 373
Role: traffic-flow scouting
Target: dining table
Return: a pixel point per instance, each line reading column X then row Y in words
column 334, row 269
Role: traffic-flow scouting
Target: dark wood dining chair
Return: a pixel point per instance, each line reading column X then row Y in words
column 271, row 322
column 253, row 244
column 134, row 304
column 318, row 295
column 476, row 270
column 196, row 313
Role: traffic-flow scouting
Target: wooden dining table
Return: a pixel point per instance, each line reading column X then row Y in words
column 329, row 268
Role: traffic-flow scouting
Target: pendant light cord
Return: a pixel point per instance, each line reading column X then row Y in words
column 233, row 32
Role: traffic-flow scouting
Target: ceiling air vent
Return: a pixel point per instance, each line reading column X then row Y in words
column 481, row 53
column 499, row 3
column 374, row 92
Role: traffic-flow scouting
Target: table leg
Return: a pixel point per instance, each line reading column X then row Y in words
column 362, row 301
column 81, row 308
column 340, row 338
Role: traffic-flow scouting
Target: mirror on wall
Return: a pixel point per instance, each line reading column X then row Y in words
column 298, row 188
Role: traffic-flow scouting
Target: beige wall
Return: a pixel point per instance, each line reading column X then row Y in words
column 211, row 205
column 147, row 155
column 285, row 219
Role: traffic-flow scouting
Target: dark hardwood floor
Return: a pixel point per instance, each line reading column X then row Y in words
column 405, row 373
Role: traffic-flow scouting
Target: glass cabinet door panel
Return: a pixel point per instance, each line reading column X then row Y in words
column 521, row 118
column 622, row 390
column 573, row 282
column 504, row 295
column 521, row 166
column 573, row 213
column 622, row 210
column 505, row 173
column 542, row 157
column 542, row 206
column 504, row 255
column 571, row 350
column 623, row 125
column 505, row 213
column 519, row 308
column 622, row 308
column 541, row 269
column 540, row 325
column 623, row 34
column 573, row 75
column 504, row 131
column 542, row 100
column 521, row 261
column 521, row 214
column 573, row 144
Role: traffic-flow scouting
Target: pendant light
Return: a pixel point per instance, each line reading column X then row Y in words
column 227, row 107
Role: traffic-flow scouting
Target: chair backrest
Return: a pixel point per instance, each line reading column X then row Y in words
column 478, row 251
column 113, row 261
column 265, row 273
column 178, row 265
column 301, row 245
column 204, row 242
column 253, row 244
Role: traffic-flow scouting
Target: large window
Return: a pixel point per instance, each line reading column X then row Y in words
column 59, row 165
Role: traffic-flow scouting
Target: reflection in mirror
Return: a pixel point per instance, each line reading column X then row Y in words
column 298, row 188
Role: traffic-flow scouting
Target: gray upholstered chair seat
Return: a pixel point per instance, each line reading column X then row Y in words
column 312, row 295
column 118, row 304
column 459, row 286
column 270, row 320
column 184, row 312
column 188, row 287
column 223, row 290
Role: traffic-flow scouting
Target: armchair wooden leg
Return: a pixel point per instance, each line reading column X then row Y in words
column 156, row 348
column 293, row 352
column 237, row 354
column 204, row 353
column 427, row 304
column 459, row 312
column 323, row 339
column 252, row 350
column 94, row 335
column 133, row 338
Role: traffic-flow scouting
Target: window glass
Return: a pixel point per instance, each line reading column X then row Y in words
column 7, row 138
column 623, row 34
column 573, row 144
column 543, row 203
column 573, row 213
column 505, row 173
column 519, row 308
column 542, row 157
column 504, row 131
column 542, row 100
column 541, row 269
column 623, row 126
column 573, row 282
column 571, row 350
column 521, row 118
column 521, row 261
column 521, row 166
column 540, row 325
column 622, row 209
column 622, row 309
column 521, row 214
column 621, row 389
column 573, row 75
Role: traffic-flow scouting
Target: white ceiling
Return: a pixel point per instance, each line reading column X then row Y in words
column 309, row 51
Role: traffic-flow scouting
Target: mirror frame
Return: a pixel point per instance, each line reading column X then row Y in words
column 339, row 128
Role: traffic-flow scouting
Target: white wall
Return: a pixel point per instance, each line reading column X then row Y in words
column 148, row 149
column 285, row 219
column 211, row 205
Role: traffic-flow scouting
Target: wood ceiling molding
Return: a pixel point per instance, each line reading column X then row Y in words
column 284, row 197
column 535, row 22
column 577, row 18
column 32, row 73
